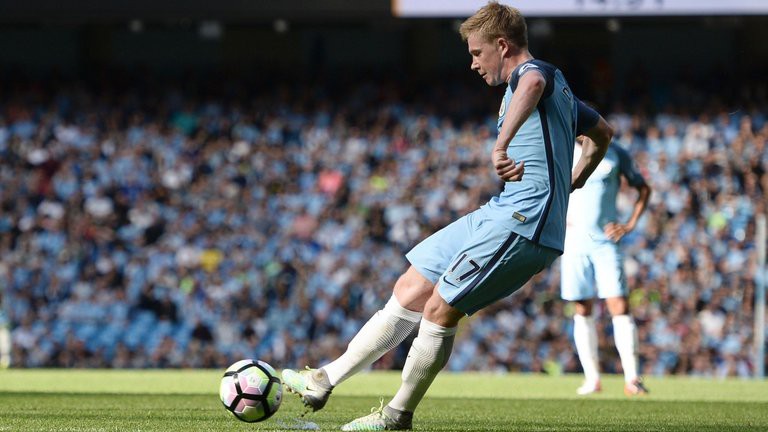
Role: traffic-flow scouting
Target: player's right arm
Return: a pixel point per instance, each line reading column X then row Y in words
column 593, row 126
column 527, row 95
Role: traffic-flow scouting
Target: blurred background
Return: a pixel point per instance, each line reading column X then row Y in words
column 185, row 184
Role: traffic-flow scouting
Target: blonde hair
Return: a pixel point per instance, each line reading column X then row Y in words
column 497, row 21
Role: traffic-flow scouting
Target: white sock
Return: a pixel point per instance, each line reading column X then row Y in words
column 585, row 336
column 384, row 331
column 625, row 336
column 5, row 347
column 428, row 355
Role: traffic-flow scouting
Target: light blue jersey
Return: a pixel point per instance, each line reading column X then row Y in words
column 592, row 264
column 537, row 204
column 593, row 206
column 491, row 252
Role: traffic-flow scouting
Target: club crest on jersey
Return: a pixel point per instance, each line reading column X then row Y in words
column 503, row 108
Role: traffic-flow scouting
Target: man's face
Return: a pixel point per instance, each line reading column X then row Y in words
column 486, row 59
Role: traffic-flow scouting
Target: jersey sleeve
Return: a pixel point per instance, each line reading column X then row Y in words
column 586, row 117
column 546, row 70
column 628, row 168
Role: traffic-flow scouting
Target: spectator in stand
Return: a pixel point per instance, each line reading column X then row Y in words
column 125, row 225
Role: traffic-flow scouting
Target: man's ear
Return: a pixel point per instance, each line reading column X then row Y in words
column 503, row 45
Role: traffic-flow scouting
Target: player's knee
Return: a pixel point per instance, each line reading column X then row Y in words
column 617, row 306
column 432, row 312
column 412, row 291
column 441, row 313
column 583, row 307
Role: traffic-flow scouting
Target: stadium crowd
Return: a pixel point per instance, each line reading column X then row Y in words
column 143, row 227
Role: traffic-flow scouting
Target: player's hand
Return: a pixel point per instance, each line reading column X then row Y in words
column 615, row 232
column 507, row 169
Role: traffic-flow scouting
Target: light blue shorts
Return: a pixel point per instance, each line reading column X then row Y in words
column 477, row 260
column 595, row 270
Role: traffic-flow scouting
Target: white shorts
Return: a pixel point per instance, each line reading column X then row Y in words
column 600, row 266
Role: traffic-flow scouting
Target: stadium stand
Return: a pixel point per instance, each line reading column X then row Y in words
column 147, row 225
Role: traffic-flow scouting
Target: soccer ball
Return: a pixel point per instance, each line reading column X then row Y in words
column 251, row 390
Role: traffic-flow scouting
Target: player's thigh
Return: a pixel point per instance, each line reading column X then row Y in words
column 609, row 271
column 494, row 263
column 432, row 255
column 577, row 278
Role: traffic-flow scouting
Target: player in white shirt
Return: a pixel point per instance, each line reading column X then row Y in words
column 592, row 265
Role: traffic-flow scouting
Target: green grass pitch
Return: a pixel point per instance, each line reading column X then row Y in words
column 187, row 400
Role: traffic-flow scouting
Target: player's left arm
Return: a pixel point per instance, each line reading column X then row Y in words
column 597, row 135
column 529, row 90
column 616, row 231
